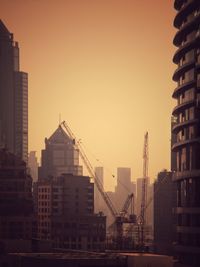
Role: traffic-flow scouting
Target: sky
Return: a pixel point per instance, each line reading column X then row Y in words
column 106, row 67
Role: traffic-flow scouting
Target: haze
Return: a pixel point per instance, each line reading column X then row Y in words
column 106, row 67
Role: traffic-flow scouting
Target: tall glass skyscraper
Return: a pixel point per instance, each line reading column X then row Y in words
column 13, row 97
column 187, row 131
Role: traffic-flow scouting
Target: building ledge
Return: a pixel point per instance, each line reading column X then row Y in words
column 185, row 174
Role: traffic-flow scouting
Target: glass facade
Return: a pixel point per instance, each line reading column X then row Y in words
column 13, row 97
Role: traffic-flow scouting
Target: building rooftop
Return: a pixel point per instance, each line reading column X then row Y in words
column 59, row 136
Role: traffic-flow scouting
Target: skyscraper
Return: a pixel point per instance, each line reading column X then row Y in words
column 187, row 130
column 123, row 188
column 59, row 156
column 13, row 97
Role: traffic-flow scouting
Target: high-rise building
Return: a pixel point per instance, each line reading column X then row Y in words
column 187, row 130
column 59, row 156
column 123, row 188
column 13, row 97
column 163, row 213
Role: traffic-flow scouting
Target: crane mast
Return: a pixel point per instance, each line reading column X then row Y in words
column 144, row 191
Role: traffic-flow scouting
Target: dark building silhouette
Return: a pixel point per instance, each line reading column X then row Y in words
column 64, row 198
column 17, row 224
column 187, row 131
column 66, row 213
column 13, row 97
column 163, row 213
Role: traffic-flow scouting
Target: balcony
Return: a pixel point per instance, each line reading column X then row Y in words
column 183, row 10
column 182, row 106
column 186, row 29
column 183, row 87
column 184, row 143
column 180, row 125
column 185, row 174
column 185, row 48
column 182, row 69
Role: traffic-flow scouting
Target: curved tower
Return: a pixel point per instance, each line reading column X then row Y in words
column 187, row 131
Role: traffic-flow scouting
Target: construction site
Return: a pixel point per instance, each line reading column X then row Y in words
column 121, row 234
column 69, row 233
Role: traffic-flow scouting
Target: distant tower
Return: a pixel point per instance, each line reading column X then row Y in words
column 123, row 187
column 33, row 165
column 13, row 97
column 187, row 131
column 98, row 200
column 59, row 156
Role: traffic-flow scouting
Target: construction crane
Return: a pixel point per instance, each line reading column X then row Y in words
column 122, row 218
column 142, row 216
column 119, row 218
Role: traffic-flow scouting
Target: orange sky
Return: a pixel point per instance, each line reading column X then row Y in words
column 106, row 66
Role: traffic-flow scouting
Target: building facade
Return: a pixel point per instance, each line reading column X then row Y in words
column 66, row 213
column 187, row 130
column 17, row 223
column 99, row 203
column 33, row 165
column 13, row 97
column 59, row 156
column 163, row 213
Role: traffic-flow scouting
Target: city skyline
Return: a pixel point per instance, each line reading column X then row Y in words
column 90, row 62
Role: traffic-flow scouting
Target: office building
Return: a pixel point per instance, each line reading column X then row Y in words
column 13, row 97
column 187, row 131
column 59, row 156
column 66, row 213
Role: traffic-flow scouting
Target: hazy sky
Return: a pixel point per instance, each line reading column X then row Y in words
column 106, row 66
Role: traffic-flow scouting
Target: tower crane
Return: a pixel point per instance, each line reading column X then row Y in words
column 119, row 218
column 142, row 216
